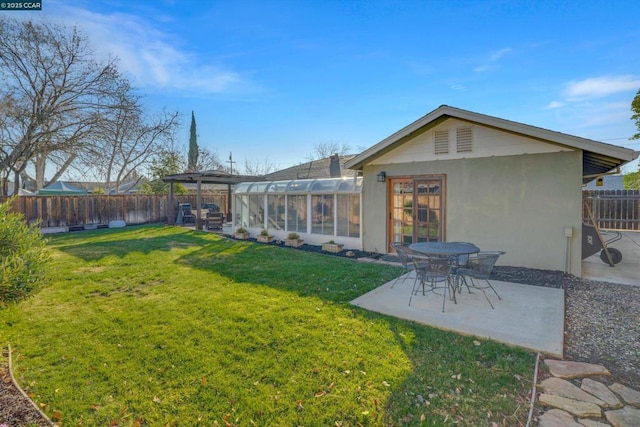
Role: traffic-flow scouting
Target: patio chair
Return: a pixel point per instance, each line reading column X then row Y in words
column 433, row 274
column 403, row 253
column 479, row 270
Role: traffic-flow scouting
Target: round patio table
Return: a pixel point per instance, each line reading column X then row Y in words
column 444, row 249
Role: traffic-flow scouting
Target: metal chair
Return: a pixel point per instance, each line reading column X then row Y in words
column 433, row 274
column 480, row 267
column 403, row 252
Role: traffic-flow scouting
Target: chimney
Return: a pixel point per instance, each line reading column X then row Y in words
column 334, row 167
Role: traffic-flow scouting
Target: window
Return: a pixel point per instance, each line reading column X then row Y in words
column 464, row 140
column 441, row 144
column 256, row 210
column 276, row 211
column 348, row 215
column 322, row 214
column 297, row 213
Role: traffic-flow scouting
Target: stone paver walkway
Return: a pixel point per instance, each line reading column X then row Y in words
column 590, row 403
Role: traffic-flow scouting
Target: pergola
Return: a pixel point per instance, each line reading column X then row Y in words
column 204, row 177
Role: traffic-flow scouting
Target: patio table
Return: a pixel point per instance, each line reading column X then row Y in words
column 444, row 249
column 456, row 252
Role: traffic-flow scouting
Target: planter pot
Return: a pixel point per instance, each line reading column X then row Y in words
column 332, row 247
column 241, row 236
column 265, row 239
column 294, row 243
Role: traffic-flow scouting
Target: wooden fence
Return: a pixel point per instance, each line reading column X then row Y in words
column 613, row 209
column 77, row 211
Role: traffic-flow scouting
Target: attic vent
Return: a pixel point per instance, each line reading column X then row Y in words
column 464, row 140
column 441, row 145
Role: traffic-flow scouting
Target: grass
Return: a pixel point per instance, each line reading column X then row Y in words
column 157, row 325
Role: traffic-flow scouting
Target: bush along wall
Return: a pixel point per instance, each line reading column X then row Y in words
column 22, row 256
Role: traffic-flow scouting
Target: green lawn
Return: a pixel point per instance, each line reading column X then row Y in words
column 158, row 325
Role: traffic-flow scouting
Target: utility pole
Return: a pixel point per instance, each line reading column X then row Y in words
column 231, row 162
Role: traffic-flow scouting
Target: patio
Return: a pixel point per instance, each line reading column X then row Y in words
column 531, row 317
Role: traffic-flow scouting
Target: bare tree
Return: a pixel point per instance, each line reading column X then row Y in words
column 53, row 94
column 127, row 138
column 208, row 160
column 325, row 149
column 258, row 168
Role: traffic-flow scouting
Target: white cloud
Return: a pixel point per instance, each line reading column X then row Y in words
column 599, row 87
column 152, row 57
column 492, row 59
column 554, row 104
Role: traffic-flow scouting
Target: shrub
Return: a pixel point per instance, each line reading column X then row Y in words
column 22, row 255
column 293, row 236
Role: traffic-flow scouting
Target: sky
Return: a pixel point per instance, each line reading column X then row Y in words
column 270, row 80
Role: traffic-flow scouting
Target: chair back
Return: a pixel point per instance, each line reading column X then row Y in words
column 402, row 251
column 483, row 263
column 432, row 269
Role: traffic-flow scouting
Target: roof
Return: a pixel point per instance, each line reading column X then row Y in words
column 211, row 177
column 60, row 187
column 320, row 168
column 598, row 158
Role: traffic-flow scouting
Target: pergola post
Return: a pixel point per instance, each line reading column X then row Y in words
column 199, row 204
column 171, row 213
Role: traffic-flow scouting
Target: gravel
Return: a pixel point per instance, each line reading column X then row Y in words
column 602, row 325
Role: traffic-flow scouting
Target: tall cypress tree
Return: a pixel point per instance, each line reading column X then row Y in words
column 193, row 145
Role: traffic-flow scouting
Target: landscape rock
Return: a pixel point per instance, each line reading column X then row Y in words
column 564, row 388
column 557, row 418
column 575, row 407
column 567, row 369
column 629, row 395
column 625, row 417
column 602, row 392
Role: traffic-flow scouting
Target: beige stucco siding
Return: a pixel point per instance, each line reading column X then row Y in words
column 521, row 204
column 487, row 142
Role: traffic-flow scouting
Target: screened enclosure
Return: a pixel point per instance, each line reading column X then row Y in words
column 318, row 210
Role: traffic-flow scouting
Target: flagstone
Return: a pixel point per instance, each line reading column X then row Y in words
column 575, row 407
column 567, row 369
column 557, row 418
column 629, row 395
column 564, row 388
column 602, row 392
column 625, row 417
column 592, row 423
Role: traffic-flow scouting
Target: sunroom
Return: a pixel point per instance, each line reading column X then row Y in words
column 318, row 210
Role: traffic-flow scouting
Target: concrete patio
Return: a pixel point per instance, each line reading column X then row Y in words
column 531, row 317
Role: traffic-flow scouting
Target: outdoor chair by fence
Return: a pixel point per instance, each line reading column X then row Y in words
column 433, row 274
column 479, row 270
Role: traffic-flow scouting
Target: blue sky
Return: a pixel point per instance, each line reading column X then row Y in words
column 268, row 80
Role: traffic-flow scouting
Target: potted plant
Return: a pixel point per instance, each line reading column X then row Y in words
column 293, row 240
column 265, row 237
column 241, row 233
column 332, row 247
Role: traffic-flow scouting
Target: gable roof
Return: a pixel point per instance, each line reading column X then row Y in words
column 329, row 167
column 598, row 157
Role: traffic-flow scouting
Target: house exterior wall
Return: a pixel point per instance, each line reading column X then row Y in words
column 521, row 204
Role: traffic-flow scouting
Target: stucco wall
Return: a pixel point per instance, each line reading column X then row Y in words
column 520, row 204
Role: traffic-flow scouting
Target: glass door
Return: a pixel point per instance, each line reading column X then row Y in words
column 416, row 210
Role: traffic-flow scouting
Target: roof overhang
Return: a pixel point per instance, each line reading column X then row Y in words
column 598, row 158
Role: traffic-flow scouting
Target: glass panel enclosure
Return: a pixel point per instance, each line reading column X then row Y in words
column 322, row 214
column 276, row 211
column 256, row 210
column 348, row 213
column 297, row 213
